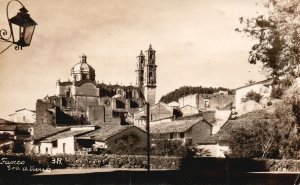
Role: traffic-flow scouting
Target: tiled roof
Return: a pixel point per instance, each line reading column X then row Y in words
column 8, row 127
column 65, row 134
column 175, row 126
column 44, row 130
column 3, row 121
column 65, row 83
column 108, row 131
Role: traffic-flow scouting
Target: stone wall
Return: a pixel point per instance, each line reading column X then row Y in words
column 175, row 163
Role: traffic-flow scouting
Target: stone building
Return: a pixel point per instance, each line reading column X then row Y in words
column 207, row 101
column 84, row 101
column 23, row 116
column 159, row 113
column 263, row 88
column 191, row 130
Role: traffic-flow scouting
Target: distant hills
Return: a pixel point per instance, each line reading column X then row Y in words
column 186, row 90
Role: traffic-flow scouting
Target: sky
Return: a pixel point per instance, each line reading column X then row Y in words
column 195, row 45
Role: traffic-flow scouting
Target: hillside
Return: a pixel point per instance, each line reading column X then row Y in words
column 186, row 90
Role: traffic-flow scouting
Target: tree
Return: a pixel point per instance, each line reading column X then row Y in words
column 276, row 137
column 277, row 36
column 251, row 95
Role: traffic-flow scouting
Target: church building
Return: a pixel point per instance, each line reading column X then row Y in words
column 82, row 100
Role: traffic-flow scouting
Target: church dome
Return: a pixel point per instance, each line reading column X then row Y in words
column 83, row 71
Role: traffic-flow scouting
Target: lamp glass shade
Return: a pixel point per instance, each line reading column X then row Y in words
column 22, row 35
column 27, row 34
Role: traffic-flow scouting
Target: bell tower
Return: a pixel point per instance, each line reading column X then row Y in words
column 150, row 76
column 140, row 70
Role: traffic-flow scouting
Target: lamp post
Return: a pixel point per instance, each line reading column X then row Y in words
column 21, row 28
column 147, row 119
column 148, row 135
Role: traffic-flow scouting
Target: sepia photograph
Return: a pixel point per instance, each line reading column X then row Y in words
column 174, row 92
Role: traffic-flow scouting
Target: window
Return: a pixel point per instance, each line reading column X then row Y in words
column 206, row 103
column 182, row 135
column 68, row 94
column 171, row 135
column 24, row 118
column 46, row 150
column 64, row 147
column 54, row 143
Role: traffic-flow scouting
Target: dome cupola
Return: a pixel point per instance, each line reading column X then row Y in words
column 82, row 70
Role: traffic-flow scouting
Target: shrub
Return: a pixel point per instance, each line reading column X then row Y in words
column 165, row 147
column 128, row 145
column 251, row 95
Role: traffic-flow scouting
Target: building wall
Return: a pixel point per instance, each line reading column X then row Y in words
column 24, row 116
column 132, row 130
column 215, row 101
column 42, row 115
column 158, row 112
column 69, row 146
column 189, row 110
column 86, row 89
column 188, row 100
column 8, row 132
column 265, row 91
column 200, row 132
column 215, row 150
column 61, row 90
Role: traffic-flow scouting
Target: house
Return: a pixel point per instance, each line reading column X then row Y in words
column 262, row 87
column 104, row 137
column 174, row 104
column 15, row 136
column 23, row 116
column 191, row 130
column 60, row 143
column 207, row 101
column 159, row 113
column 189, row 110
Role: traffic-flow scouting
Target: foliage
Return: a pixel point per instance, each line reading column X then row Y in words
column 277, row 36
column 165, row 147
column 187, row 90
column 276, row 138
column 251, row 95
column 128, row 145
column 255, row 140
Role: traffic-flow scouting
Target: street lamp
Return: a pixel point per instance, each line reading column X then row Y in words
column 21, row 28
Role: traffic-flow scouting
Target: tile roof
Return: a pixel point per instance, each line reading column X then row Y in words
column 176, row 126
column 44, row 130
column 107, row 131
column 8, row 127
column 65, row 134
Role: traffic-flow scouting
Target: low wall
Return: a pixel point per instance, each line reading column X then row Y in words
column 131, row 161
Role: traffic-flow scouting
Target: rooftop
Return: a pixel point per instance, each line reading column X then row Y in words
column 176, row 126
column 106, row 132
column 65, row 134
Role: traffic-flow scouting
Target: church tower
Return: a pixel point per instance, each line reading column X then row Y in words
column 150, row 76
column 140, row 70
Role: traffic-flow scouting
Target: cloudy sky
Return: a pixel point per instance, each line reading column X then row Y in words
column 195, row 42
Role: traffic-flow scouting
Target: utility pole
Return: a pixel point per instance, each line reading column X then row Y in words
column 148, row 135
